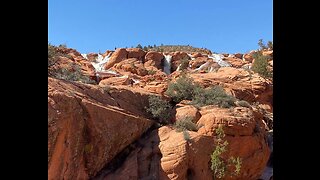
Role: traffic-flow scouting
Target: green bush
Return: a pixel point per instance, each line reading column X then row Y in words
column 243, row 103
column 184, row 64
column 151, row 72
column 213, row 96
column 73, row 74
column 185, row 89
column 182, row 89
column 186, row 135
column 270, row 45
column 219, row 166
column 261, row 44
column 185, row 124
column 159, row 109
column 260, row 65
column 53, row 55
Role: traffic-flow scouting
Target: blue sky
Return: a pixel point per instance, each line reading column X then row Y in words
column 220, row 25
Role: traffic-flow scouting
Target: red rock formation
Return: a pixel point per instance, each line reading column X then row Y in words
column 153, row 59
column 238, row 55
column 240, row 83
column 196, row 55
column 119, row 55
column 198, row 62
column 248, row 58
column 86, row 129
column 92, row 56
column 235, row 62
column 132, row 65
column 136, row 53
column 177, row 57
column 267, row 53
column 166, row 154
column 183, row 111
column 123, row 80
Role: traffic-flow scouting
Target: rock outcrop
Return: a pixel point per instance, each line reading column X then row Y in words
column 119, row 55
column 153, row 59
column 241, row 83
column 103, row 131
column 168, row 154
column 86, row 129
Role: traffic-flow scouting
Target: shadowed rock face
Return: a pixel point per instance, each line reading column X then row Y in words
column 84, row 131
column 166, row 154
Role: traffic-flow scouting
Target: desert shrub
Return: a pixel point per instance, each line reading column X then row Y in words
column 270, row 45
column 151, row 72
column 260, row 65
column 139, row 46
column 213, row 96
column 182, row 89
column 159, row 109
column 106, row 89
column 52, row 54
column 219, row 166
column 243, row 103
column 185, row 124
column 261, row 44
column 184, row 64
column 72, row 74
column 186, row 135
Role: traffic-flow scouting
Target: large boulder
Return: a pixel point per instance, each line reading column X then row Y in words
column 198, row 61
column 136, row 53
column 177, row 58
column 153, row 58
column 132, row 65
column 238, row 55
column 123, row 80
column 235, row 62
column 92, row 56
column 184, row 111
column 119, row 55
column 248, row 58
column 86, row 129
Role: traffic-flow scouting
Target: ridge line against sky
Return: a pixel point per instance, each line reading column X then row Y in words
column 228, row 26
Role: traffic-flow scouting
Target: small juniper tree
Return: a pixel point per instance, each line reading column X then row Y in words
column 261, row 44
column 260, row 65
column 159, row 109
column 219, row 166
column 270, row 45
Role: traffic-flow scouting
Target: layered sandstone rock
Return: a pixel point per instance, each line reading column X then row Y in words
column 248, row 58
column 132, row 65
column 136, row 53
column 240, row 83
column 235, row 62
column 119, row 55
column 177, row 58
column 184, row 111
column 86, row 129
column 153, row 59
column 167, row 154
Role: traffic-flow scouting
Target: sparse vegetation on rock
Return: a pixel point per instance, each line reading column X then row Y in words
column 219, row 166
column 213, row 96
column 185, row 124
column 183, row 89
column 159, row 108
column 260, row 65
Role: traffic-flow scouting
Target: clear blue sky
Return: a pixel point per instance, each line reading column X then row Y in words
column 220, row 25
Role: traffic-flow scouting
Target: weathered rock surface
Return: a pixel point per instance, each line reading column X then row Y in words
column 86, row 129
column 167, row 154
